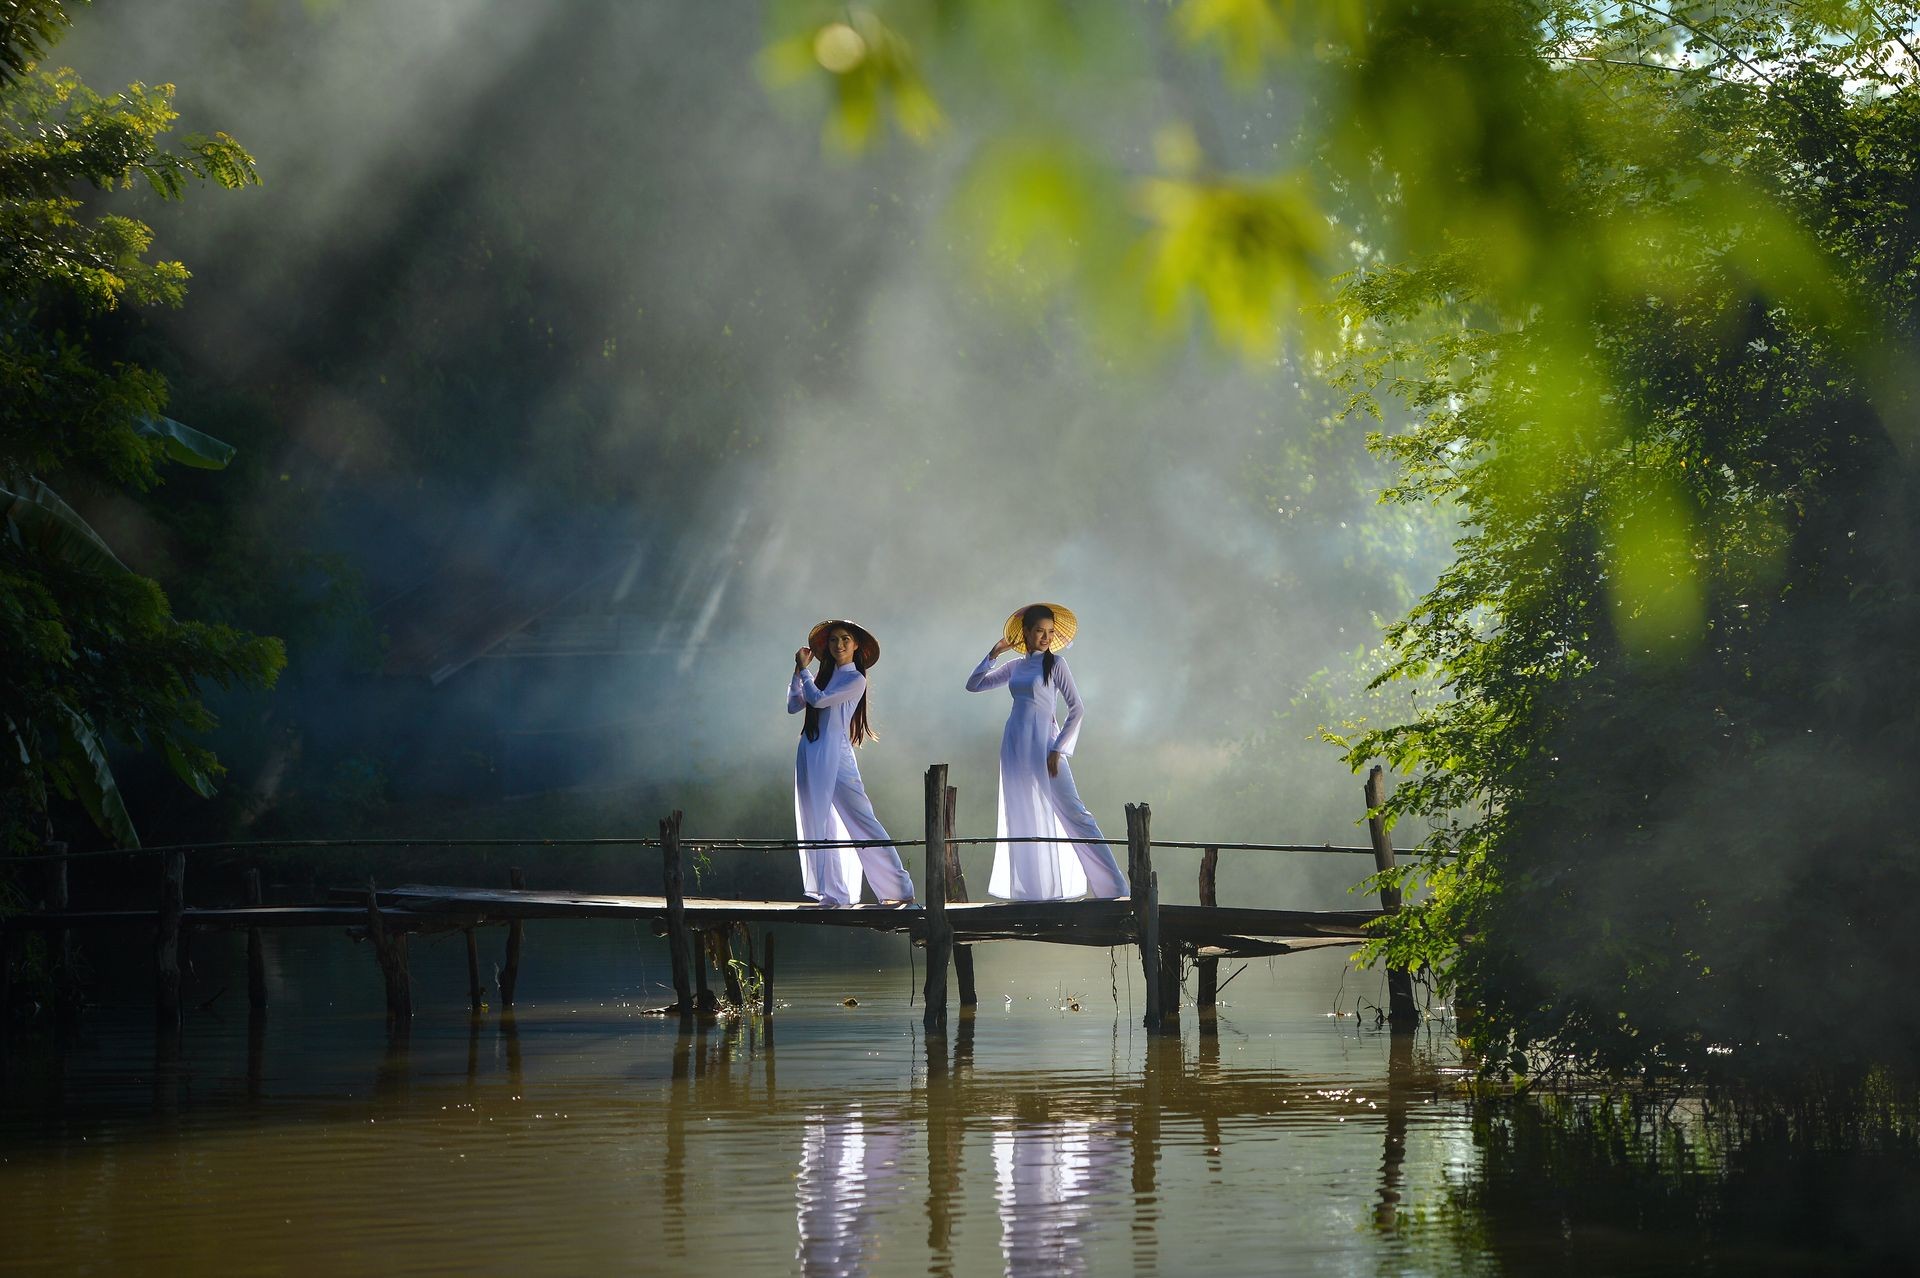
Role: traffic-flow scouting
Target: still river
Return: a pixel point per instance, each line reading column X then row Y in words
column 578, row 1136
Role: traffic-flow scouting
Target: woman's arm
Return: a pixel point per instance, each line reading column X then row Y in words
column 796, row 698
column 984, row 675
column 1069, row 734
column 837, row 691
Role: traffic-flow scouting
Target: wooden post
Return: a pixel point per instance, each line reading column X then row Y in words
column 939, row 930
column 1401, row 1009
column 766, row 979
column 679, row 944
column 476, row 992
column 6, row 980
column 1208, row 994
column 1145, row 892
column 704, row 1001
column 173, row 885
column 256, row 956
column 516, row 937
column 390, row 951
column 957, row 891
column 720, row 941
column 1169, row 968
column 66, row 985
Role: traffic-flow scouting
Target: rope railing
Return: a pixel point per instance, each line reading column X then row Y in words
column 638, row 841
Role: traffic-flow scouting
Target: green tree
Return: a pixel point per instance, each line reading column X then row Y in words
column 95, row 655
column 1643, row 273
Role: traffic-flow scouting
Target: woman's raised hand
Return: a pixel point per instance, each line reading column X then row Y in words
column 801, row 658
column 1001, row 645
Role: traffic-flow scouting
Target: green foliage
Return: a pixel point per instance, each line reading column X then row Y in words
column 1673, row 633
column 1644, row 274
column 95, row 653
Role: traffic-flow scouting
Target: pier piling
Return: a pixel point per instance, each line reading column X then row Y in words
column 1207, row 995
column 679, row 942
column 1401, row 1009
column 939, row 927
column 516, row 937
column 66, row 982
column 166, row 945
column 256, row 954
column 957, row 891
column 390, row 951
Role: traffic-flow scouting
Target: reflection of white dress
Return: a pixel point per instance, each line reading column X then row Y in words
column 1047, row 1180
column 1036, row 805
column 830, row 803
column 849, row 1172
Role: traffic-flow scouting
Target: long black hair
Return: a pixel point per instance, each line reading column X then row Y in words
column 858, row 730
column 1028, row 620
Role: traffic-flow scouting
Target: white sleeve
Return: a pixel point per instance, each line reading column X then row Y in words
column 1063, row 741
column 837, row 691
column 797, row 699
column 984, row 675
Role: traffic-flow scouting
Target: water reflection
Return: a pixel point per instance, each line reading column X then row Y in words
column 851, row 1168
column 1048, row 1179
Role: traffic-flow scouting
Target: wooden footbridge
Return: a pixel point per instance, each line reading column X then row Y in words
column 704, row 931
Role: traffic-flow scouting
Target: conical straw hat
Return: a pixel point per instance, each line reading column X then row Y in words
column 862, row 637
column 1064, row 626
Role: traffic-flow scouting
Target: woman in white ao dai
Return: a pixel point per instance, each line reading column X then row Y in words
column 1037, row 795
column 829, row 801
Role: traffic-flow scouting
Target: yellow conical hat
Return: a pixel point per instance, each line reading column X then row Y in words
column 1064, row 626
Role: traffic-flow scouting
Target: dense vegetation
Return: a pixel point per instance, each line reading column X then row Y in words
column 94, row 653
column 1645, row 274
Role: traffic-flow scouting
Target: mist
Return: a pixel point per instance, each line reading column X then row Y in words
column 565, row 343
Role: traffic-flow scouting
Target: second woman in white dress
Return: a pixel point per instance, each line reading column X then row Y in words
column 829, row 802
column 1037, row 795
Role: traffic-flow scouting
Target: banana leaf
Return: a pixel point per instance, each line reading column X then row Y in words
column 186, row 445
column 38, row 519
column 87, row 775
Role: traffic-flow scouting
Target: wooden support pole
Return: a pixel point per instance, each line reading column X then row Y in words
column 6, row 980
column 679, row 942
column 66, row 984
column 516, row 937
column 390, row 952
column 720, row 941
column 256, row 955
column 957, row 891
column 1401, row 1009
column 1169, row 969
column 939, row 929
column 476, row 992
column 1145, row 891
column 704, row 1000
column 766, row 979
column 173, row 884
column 1208, row 994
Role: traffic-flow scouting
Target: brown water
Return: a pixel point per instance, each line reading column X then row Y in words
column 579, row 1136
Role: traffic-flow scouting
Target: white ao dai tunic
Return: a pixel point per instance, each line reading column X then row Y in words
column 1035, row 805
column 830, row 803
